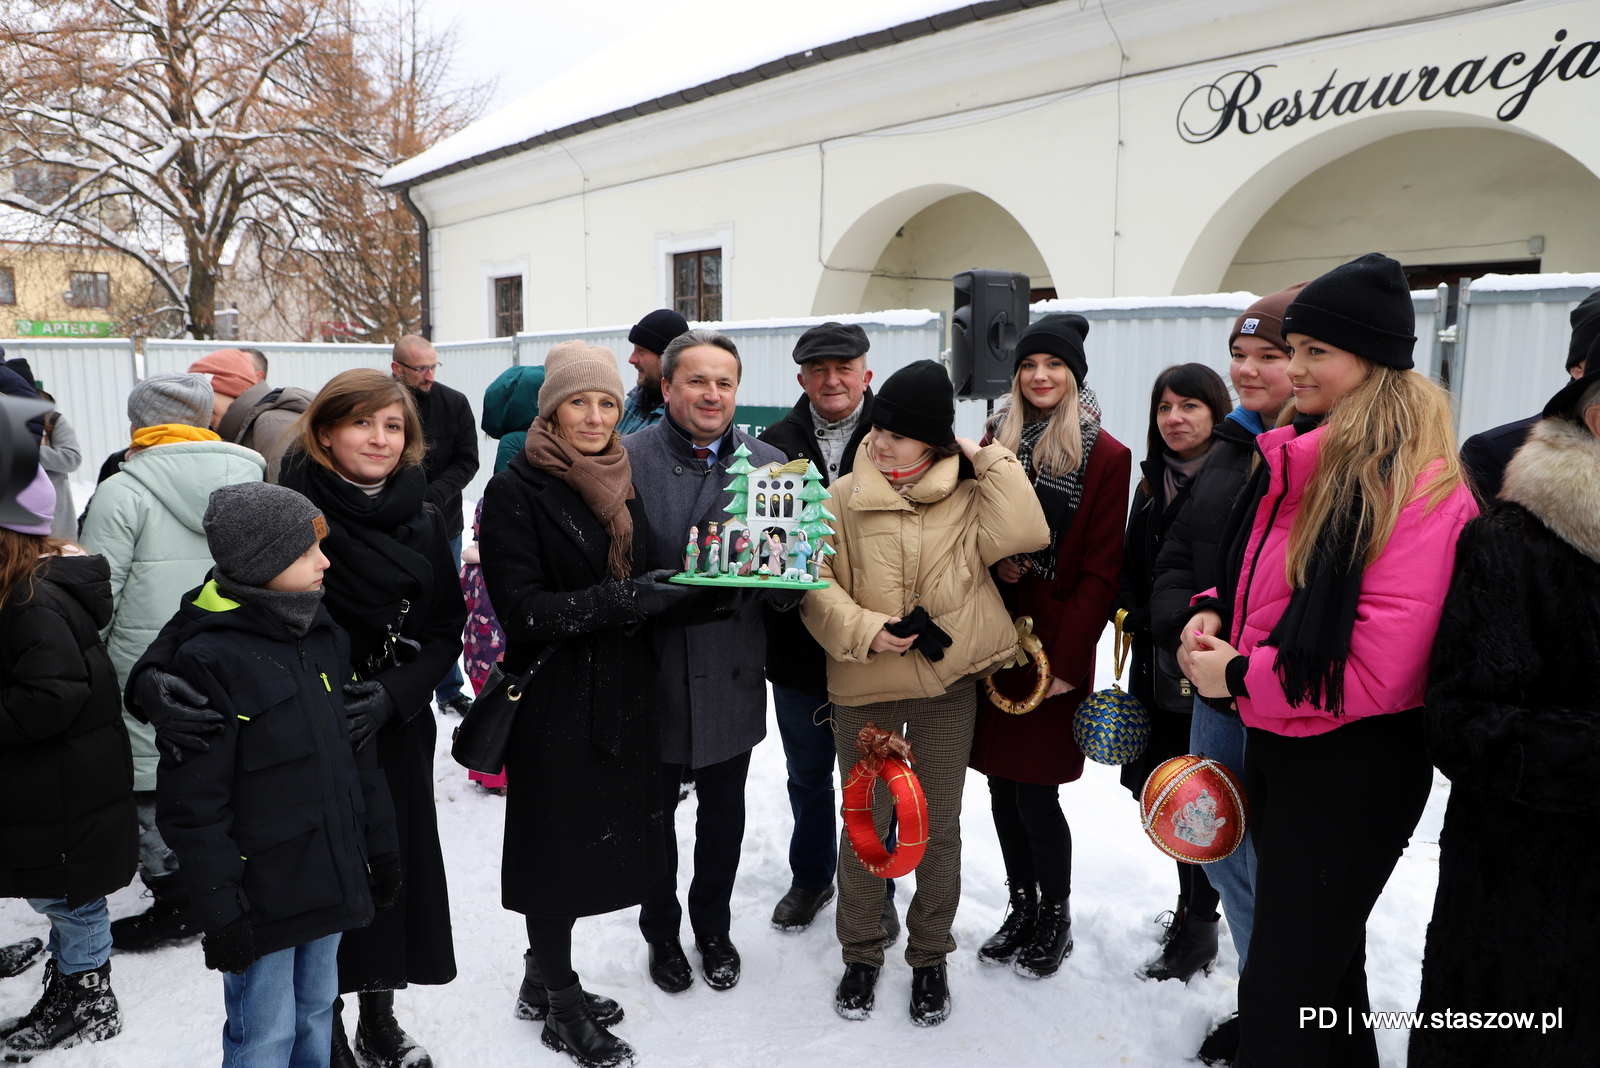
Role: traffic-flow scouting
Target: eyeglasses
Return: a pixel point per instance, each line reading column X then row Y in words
column 428, row 370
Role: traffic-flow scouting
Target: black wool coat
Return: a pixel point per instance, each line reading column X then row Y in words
column 452, row 457
column 1485, row 455
column 1150, row 516
column 279, row 819
column 1513, row 714
column 583, row 829
column 67, row 825
column 794, row 659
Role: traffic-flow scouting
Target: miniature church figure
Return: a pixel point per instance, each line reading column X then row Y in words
column 713, row 552
column 774, row 564
column 801, row 555
column 691, row 552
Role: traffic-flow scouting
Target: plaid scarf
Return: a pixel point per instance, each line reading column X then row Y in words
column 1059, row 495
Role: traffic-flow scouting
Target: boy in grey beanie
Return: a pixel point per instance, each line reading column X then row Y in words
column 168, row 398
column 264, row 541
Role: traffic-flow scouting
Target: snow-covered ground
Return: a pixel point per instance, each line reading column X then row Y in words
column 1095, row 1012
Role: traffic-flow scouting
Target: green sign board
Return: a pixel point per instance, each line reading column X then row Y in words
column 63, row 328
column 753, row 419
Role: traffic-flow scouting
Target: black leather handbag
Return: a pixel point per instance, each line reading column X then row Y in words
column 480, row 741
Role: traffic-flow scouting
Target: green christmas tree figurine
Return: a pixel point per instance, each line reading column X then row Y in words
column 739, row 487
column 814, row 518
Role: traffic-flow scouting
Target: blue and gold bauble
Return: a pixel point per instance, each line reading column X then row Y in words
column 1111, row 726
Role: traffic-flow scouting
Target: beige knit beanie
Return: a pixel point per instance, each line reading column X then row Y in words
column 575, row 367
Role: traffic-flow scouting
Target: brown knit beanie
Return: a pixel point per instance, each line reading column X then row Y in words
column 575, row 367
column 1264, row 318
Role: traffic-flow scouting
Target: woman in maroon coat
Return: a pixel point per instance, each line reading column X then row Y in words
column 1080, row 473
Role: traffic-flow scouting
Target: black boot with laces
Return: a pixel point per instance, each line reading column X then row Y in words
column 1052, row 941
column 857, row 991
column 1017, row 929
column 1191, row 948
column 380, row 1040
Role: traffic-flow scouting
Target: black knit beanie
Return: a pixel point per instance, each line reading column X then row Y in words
column 1059, row 335
column 831, row 341
column 1585, row 321
column 256, row 530
column 1363, row 307
column 656, row 330
column 918, row 402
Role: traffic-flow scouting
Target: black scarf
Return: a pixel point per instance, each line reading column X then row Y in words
column 296, row 609
column 1313, row 634
column 1059, row 495
column 372, row 565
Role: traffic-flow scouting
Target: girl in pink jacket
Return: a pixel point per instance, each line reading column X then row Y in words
column 1336, row 567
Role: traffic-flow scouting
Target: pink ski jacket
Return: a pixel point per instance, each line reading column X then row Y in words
column 1402, row 594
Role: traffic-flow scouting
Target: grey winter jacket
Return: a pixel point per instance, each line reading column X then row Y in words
column 712, row 689
column 60, row 455
column 261, row 419
column 146, row 523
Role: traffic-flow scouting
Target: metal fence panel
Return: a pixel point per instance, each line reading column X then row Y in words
column 1516, row 343
column 307, row 365
column 90, row 381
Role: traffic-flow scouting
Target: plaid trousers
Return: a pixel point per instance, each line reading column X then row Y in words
column 940, row 732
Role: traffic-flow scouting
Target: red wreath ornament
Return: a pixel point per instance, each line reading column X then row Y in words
column 885, row 755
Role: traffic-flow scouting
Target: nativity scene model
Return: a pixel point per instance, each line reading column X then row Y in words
column 773, row 534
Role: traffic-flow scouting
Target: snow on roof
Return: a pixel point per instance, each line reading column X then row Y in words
column 1506, row 283
column 688, row 43
column 1231, row 301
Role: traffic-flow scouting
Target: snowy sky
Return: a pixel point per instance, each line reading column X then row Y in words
column 562, row 64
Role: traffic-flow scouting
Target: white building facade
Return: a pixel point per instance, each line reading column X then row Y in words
column 1139, row 147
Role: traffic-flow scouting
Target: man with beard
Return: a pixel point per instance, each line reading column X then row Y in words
column 649, row 337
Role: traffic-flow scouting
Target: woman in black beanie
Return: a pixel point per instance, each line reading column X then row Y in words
column 1336, row 564
column 910, row 621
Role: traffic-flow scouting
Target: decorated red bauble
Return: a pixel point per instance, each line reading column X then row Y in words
column 1193, row 809
column 887, row 756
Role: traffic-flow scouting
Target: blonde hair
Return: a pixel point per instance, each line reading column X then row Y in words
column 353, row 395
column 1060, row 448
column 1394, row 437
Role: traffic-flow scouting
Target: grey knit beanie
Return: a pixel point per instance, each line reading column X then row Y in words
column 168, row 397
column 255, row 530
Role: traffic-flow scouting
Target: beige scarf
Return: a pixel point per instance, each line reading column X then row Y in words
column 604, row 481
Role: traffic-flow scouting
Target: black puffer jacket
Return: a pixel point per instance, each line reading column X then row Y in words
column 794, row 659
column 1190, row 558
column 67, row 826
column 279, row 818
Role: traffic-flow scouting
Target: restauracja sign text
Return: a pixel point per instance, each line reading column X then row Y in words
column 1210, row 111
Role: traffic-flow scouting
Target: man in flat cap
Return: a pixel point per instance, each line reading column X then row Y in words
column 650, row 337
column 825, row 427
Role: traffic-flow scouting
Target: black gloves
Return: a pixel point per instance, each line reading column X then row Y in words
column 367, row 706
column 178, row 712
column 232, row 949
column 653, row 595
column 777, row 597
column 931, row 641
column 385, row 881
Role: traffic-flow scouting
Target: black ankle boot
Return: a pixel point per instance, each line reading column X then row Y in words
column 76, row 1008
column 571, row 1029
column 380, row 1040
column 1221, row 1046
column 18, row 957
column 341, row 1055
column 533, row 1001
column 1191, row 947
column 171, row 917
column 1017, row 929
column 856, row 992
column 930, row 995
column 1052, row 941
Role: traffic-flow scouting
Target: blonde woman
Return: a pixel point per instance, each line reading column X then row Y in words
column 1333, row 585
column 910, row 622
column 1080, row 477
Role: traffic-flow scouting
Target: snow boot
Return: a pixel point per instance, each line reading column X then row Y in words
column 46, row 1004
column 719, row 961
column 170, row 918
column 857, row 991
column 1052, row 941
column 18, row 957
column 930, row 995
column 83, row 1010
column 799, row 907
column 1015, row 931
column 341, row 1055
column 669, row 966
column 1221, row 1046
column 1190, row 947
column 533, row 1001
column 380, row 1040
column 571, row 1029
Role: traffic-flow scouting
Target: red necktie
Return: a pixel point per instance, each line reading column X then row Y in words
column 700, row 453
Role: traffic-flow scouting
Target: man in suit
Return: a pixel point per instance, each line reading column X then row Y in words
column 713, row 697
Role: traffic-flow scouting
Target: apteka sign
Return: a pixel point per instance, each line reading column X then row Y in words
column 1210, row 111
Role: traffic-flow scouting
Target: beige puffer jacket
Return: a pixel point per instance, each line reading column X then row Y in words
column 932, row 547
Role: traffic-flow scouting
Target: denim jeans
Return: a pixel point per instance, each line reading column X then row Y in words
column 1221, row 737
column 280, row 1011
column 450, row 688
column 807, row 731
column 80, row 938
